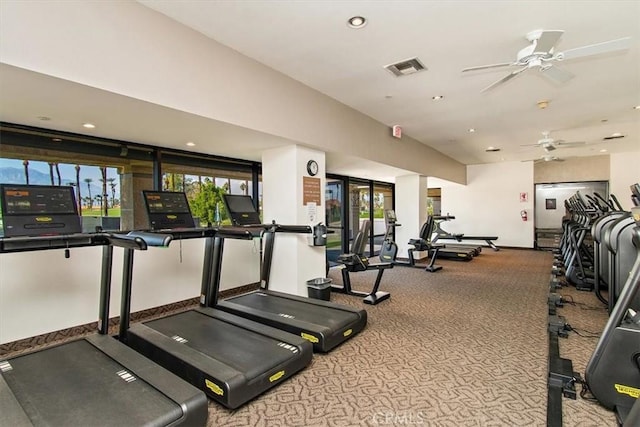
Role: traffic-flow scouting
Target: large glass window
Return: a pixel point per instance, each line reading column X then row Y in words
column 109, row 175
column 97, row 188
column 205, row 187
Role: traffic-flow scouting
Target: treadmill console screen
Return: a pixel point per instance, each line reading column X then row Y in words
column 241, row 209
column 168, row 210
column 35, row 210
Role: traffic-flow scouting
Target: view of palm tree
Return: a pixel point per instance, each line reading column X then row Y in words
column 101, row 200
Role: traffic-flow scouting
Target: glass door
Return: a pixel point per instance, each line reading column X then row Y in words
column 334, row 195
column 359, row 209
column 382, row 200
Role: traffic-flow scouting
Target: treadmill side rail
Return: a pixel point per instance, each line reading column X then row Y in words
column 323, row 336
column 192, row 401
column 230, row 386
column 11, row 410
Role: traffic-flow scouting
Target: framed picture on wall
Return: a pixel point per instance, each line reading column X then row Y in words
column 550, row 204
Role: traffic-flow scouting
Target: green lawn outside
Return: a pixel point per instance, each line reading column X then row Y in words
column 98, row 212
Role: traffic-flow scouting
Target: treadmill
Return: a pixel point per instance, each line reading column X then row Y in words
column 323, row 323
column 230, row 358
column 96, row 378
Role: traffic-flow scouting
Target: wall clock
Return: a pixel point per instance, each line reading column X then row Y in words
column 312, row 167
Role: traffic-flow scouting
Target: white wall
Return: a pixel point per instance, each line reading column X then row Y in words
column 625, row 170
column 489, row 204
column 42, row 292
column 411, row 209
column 294, row 260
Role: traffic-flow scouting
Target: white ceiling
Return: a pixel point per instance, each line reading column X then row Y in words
column 310, row 41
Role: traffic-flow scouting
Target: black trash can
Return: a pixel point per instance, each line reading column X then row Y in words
column 319, row 288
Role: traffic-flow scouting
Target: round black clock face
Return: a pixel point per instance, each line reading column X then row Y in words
column 312, row 167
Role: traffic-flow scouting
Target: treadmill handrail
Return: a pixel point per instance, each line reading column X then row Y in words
column 151, row 239
column 68, row 241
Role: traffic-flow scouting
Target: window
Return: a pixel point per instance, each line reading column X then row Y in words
column 97, row 188
column 109, row 175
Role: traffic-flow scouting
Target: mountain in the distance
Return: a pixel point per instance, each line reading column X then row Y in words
column 11, row 175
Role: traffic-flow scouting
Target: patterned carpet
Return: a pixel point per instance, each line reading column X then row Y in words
column 466, row 346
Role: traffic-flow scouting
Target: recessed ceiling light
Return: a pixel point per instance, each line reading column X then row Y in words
column 44, row 118
column 637, row 107
column 616, row 134
column 56, row 139
column 437, row 97
column 357, row 22
column 89, row 125
column 472, row 130
column 491, row 149
column 604, row 150
column 191, row 144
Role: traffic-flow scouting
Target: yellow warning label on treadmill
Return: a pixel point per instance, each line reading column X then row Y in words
column 309, row 337
column 44, row 219
column 276, row 376
column 172, row 216
column 347, row 332
column 214, row 387
column 625, row 389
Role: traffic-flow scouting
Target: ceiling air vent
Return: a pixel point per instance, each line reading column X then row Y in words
column 406, row 67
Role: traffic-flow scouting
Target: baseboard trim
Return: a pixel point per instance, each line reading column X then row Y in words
column 15, row 348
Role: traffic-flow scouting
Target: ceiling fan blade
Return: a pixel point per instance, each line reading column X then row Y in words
column 595, row 49
column 484, row 67
column 504, row 79
column 571, row 144
column 557, row 74
column 548, row 40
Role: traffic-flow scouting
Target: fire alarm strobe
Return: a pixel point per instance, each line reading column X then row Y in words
column 397, row 131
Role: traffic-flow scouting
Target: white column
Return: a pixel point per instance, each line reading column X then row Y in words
column 411, row 209
column 284, row 171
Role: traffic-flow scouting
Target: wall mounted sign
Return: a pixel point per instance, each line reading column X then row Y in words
column 311, row 191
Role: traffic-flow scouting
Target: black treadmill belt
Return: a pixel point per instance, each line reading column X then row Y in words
column 76, row 384
column 308, row 312
column 248, row 352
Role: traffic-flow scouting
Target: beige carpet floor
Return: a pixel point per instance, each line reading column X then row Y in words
column 466, row 346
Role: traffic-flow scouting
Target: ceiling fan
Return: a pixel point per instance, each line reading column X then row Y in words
column 546, row 158
column 549, row 144
column 541, row 54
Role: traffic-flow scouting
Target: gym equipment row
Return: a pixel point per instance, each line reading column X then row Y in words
column 612, row 374
column 159, row 372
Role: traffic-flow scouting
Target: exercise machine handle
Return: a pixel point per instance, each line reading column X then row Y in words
column 303, row 229
column 235, row 233
column 151, row 239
